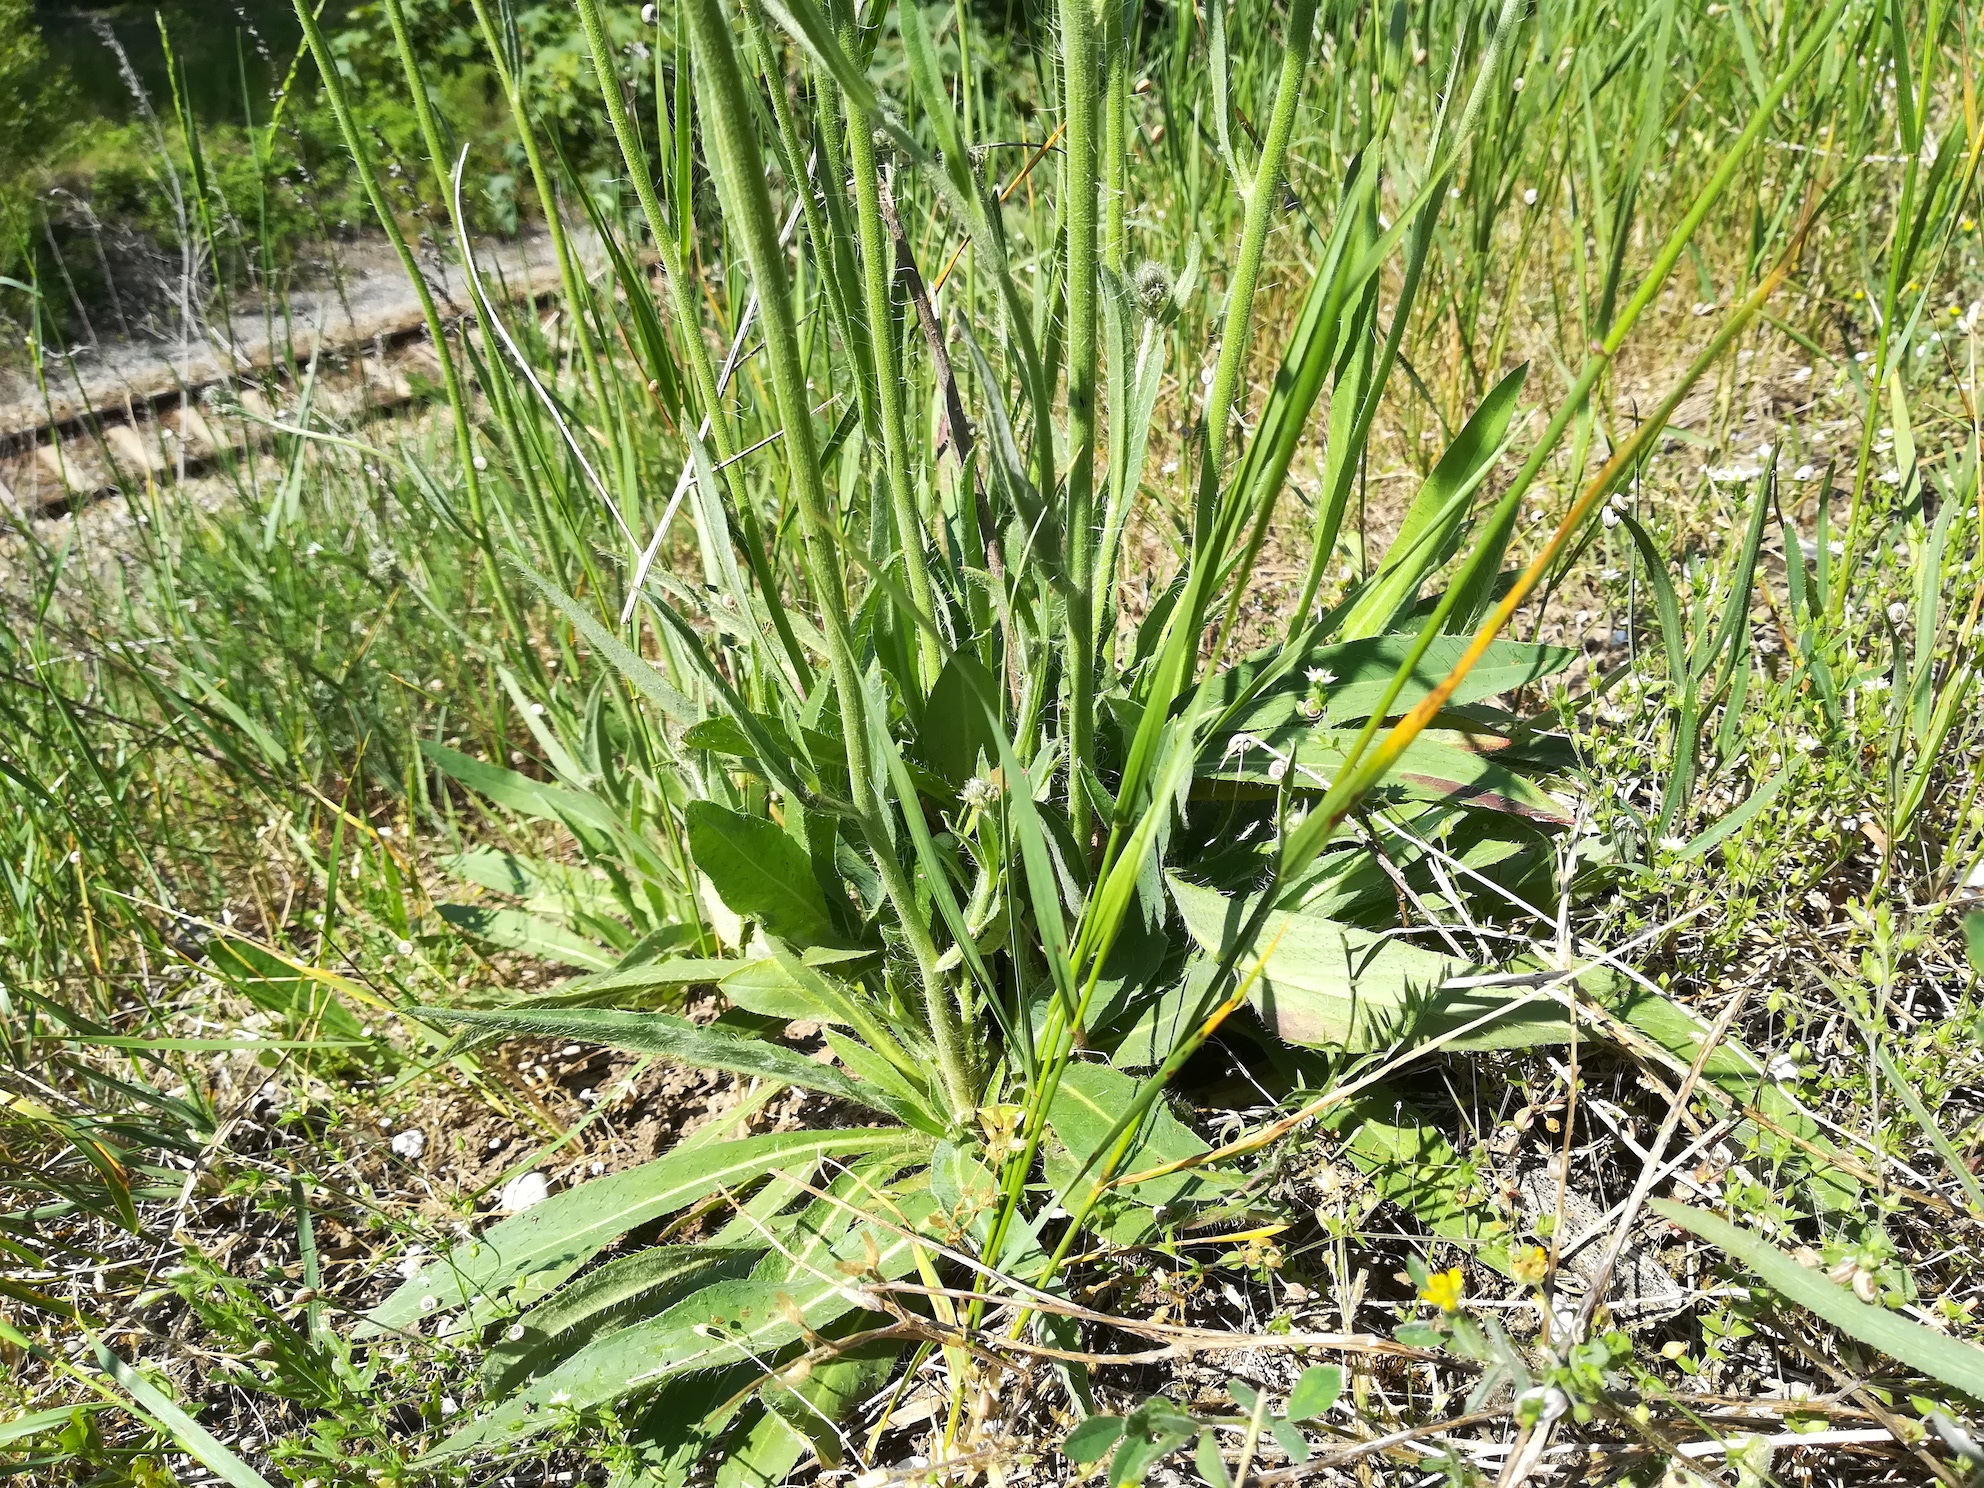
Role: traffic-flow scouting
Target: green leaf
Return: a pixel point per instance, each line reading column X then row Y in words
column 642, row 674
column 831, row 1391
column 513, row 930
column 730, row 1323
column 675, row 1038
column 181, row 1427
column 1363, row 670
column 1211, row 1465
column 1154, row 1430
column 766, row 1456
column 955, row 733
column 1086, row 1106
column 520, row 793
column 1973, row 940
column 548, row 887
column 1315, row 1392
column 615, row 1295
column 1091, row 1438
column 1439, row 765
column 1410, row 1163
column 573, row 1225
column 1957, row 1364
column 1432, row 523
column 759, row 871
column 1323, row 984
column 1291, row 1438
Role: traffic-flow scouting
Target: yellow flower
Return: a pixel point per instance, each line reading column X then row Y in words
column 1530, row 1264
column 1443, row 1290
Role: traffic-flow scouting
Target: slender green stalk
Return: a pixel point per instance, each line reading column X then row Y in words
column 1115, row 138
column 1079, row 66
column 877, row 261
column 730, row 128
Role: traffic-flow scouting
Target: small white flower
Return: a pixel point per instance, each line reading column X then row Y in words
column 448, row 1405
column 1672, row 843
column 410, row 1144
column 979, row 792
column 1784, row 1069
column 1321, row 676
column 562, row 1397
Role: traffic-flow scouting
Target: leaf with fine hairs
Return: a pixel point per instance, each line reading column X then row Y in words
column 614, row 1295
column 513, row 930
column 1087, row 1104
column 759, row 871
column 1265, row 691
column 575, row 1224
column 730, row 1323
column 677, row 1039
column 1957, row 1364
column 1324, row 984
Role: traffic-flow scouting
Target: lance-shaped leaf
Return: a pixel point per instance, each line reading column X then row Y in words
column 1329, row 985
column 614, row 1296
column 1957, row 1364
column 574, row 1225
column 1265, row 691
column 1440, row 765
column 677, row 1039
column 730, row 1323
column 759, row 871
column 513, row 930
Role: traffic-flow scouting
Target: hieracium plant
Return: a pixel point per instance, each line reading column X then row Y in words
column 880, row 740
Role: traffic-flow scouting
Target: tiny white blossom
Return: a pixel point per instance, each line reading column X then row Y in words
column 1321, row 676
column 1673, row 844
column 979, row 792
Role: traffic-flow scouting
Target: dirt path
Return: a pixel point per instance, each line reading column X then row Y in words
column 365, row 297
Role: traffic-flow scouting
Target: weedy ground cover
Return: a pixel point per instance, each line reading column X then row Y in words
column 1261, row 696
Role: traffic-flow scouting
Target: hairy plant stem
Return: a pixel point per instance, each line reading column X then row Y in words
column 451, row 382
column 1078, row 208
column 819, row 232
column 675, row 272
column 730, row 136
column 1115, row 139
column 877, row 274
column 1057, row 1039
column 1181, row 649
